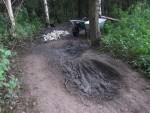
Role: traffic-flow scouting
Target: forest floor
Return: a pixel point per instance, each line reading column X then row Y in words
column 68, row 76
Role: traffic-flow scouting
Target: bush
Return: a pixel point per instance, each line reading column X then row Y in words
column 25, row 27
column 8, row 83
column 130, row 37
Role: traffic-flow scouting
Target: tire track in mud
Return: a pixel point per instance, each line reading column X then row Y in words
column 85, row 75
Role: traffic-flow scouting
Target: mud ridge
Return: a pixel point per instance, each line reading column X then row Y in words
column 86, row 76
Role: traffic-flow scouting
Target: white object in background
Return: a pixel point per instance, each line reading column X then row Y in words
column 101, row 23
column 55, row 35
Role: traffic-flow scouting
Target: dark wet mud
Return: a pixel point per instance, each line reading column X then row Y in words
column 83, row 74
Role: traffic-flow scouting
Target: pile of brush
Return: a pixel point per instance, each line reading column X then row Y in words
column 55, row 35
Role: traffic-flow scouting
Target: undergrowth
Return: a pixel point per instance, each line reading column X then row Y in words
column 26, row 27
column 130, row 37
column 8, row 83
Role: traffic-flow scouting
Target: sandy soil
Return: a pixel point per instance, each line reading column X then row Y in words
column 45, row 81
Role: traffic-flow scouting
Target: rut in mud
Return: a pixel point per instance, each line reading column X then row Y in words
column 85, row 75
column 67, row 76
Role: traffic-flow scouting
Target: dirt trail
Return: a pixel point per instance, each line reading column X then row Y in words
column 46, row 74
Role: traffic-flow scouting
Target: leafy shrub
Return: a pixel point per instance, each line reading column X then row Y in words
column 3, row 28
column 131, row 36
column 25, row 27
column 2, row 24
column 7, row 83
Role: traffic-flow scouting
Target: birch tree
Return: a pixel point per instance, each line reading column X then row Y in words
column 10, row 13
column 100, row 7
column 94, row 17
column 46, row 12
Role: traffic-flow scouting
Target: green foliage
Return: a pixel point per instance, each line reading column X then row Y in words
column 3, row 28
column 59, row 10
column 25, row 27
column 7, row 83
column 2, row 24
column 131, row 36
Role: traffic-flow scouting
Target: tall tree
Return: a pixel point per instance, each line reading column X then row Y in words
column 100, row 7
column 46, row 12
column 10, row 13
column 94, row 17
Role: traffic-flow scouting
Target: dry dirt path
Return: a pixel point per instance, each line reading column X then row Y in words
column 45, row 81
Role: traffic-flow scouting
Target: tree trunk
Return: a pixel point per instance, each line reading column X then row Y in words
column 46, row 12
column 100, row 7
column 93, row 17
column 10, row 13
